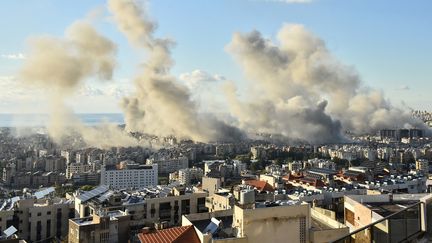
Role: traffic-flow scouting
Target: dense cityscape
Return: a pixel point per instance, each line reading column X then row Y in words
column 295, row 147
column 204, row 191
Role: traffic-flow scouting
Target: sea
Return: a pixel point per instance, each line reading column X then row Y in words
column 38, row 120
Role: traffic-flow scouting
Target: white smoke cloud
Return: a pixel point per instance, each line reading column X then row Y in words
column 297, row 89
column 161, row 105
column 301, row 91
column 62, row 64
column 59, row 66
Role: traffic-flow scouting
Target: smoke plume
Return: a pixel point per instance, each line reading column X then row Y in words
column 296, row 88
column 59, row 66
column 301, row 91
column 161, row 105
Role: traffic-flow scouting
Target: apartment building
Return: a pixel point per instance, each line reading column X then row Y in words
column 292, row 222
column 422, row 165
column 129, row 176
column 186, row 176
column 77, row 168
column 387, row 217
column 169, row 165
column 107, row 227
column 146, row 206
column 37, row 219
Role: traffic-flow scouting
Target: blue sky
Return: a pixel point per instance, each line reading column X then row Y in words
column 387, row 41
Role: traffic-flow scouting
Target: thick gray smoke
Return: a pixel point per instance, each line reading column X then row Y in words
column 59, row 65
column 299, row 90
column 161, row 105
column 296, row 88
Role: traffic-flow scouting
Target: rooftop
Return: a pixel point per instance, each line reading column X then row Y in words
column 260, row 185
column 83, row 221
column 387, row 208
column 113, row 215
column 134, row 166
column 176, row 234
column 322, row 171
column 103, row 193
column 202, row 224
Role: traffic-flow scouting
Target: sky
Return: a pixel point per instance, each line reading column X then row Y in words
column 388, row 42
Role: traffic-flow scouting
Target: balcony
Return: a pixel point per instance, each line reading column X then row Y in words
column 406, row 225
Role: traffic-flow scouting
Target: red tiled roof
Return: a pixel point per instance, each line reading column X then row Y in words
column 182, row 234
column 260, row 185
column 291, row 177
column 307, row 180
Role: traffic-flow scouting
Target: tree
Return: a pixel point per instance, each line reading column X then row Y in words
column 279, row 161
column 61, row 190
column 87, row 188
column 255, row 166
column 356, row 162
column 244, row 159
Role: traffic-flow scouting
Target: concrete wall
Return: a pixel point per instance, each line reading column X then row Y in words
column 327, row 235
column 5, row 215
column 187, row 219
column 273, row 224
column 219, row 202
column 323, row 218
column 231, row 240
column 211, row 185
column 334, row 231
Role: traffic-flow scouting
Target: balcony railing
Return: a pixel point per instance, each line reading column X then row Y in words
column 401, row 226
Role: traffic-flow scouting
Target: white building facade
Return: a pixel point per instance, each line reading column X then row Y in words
column 169, row 165
column 137, row 177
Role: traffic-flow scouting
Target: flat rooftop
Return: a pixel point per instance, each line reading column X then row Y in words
column 83, row 221
column 202, row 224
column 319, row 225
column 387, row 208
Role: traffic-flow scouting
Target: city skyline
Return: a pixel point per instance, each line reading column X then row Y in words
column 373, row 45
column 242, row 121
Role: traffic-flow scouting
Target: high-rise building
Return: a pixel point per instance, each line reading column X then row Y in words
column 169, row 165
column 130, row 176
column 77, row 168
column 186, row 176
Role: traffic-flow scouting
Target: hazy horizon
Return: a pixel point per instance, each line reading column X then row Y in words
column 306, row 70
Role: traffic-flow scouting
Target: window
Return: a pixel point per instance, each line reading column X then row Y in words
column 349, row 216
column 48, row 228
column 302, row 229
column 39, row 214
column 49, row 213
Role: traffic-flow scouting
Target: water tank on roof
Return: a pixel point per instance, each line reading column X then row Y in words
column 247, row 197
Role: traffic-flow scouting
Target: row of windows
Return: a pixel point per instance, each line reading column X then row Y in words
column 38, row 214
column 130, row 174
